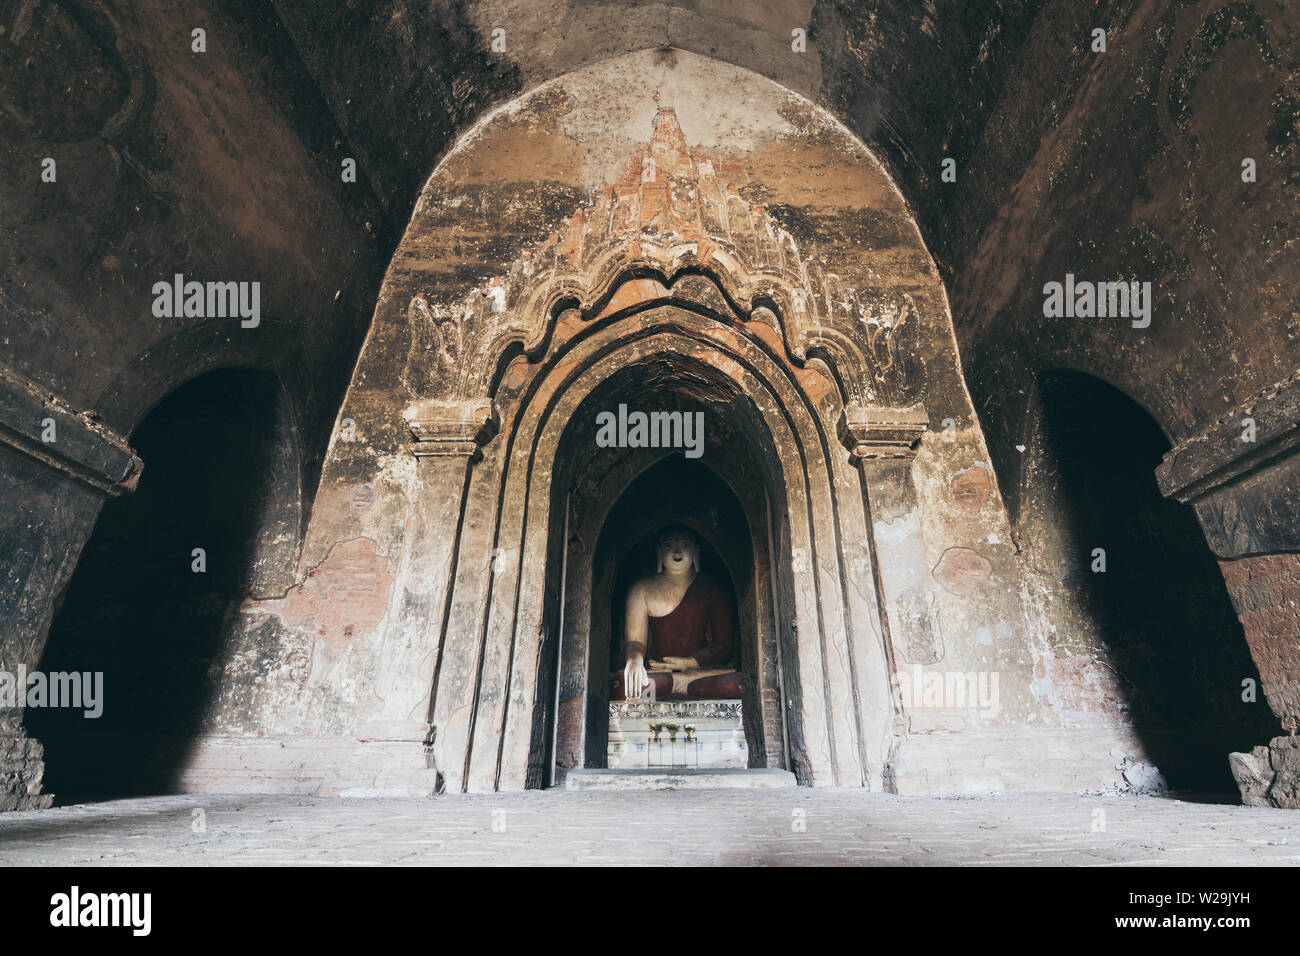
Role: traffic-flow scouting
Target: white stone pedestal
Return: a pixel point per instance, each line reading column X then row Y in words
column 717, row 739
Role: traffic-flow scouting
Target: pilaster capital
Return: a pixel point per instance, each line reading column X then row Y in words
column 1225, row 450
column 874, row 432
column 41, row 425
column 450, row 429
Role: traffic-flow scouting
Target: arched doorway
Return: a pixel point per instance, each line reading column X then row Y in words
column 614, row 502
column 1130, row 570
column 150, row 602
column 829, row 634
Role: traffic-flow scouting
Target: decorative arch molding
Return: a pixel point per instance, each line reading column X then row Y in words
column 659, row 271
column 488, row 721
column 636, row 245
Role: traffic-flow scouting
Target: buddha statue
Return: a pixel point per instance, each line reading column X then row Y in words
column 680, row 620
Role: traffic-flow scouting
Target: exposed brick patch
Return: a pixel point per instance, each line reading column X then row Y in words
column 971, row 488
column 345, row 592
column 962, row 569
column 1080, row 688
column 343, row 597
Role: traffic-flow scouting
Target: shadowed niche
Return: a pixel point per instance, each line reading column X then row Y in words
column 1159, row 616
column 673, row 491
column 137, row 610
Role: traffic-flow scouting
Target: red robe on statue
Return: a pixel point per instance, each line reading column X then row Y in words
column 699, row 627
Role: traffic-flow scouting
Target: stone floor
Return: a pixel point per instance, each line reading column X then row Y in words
column 685, row 827
column 785, row 826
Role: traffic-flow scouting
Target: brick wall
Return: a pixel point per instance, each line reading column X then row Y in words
column 1266, row 592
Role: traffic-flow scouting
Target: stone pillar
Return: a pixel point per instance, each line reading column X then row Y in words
column 58, row 464
column 883, row 443
column 448, row 440
column 1241, row 474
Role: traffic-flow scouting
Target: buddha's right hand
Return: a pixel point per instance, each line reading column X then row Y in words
column 635, row 678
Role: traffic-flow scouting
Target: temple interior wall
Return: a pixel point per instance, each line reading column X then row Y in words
column 965, row 567
column 321, row 646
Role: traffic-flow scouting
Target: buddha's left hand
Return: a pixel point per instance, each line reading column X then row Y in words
column 675, row 664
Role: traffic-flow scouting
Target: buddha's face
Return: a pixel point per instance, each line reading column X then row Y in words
column 678, row 552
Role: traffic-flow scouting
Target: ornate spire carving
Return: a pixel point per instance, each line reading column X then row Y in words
column 671, row 210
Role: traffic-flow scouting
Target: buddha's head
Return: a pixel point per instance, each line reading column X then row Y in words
column 679, row 552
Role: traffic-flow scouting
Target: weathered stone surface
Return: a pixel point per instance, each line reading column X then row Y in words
column 1269, row 776
column 1284, row 757
column 21, row 766
column 1254, row 774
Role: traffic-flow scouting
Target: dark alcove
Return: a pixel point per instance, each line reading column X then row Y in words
column 1160, row 608
column 220, row 467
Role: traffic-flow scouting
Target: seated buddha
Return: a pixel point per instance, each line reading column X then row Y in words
column 680, row 620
